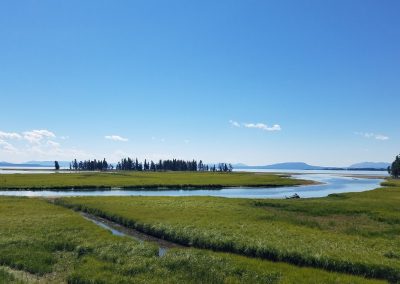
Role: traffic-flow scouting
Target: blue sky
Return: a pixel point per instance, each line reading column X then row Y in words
column 237, row 81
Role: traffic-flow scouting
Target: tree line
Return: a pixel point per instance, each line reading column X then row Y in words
column 90, row 165
column 129, row 164
column 394, row 169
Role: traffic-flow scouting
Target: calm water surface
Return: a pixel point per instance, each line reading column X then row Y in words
column 32, row 170
column 122, row 231
column 332, row 183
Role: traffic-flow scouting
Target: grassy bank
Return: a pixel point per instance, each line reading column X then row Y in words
column 107, row 180
column 43, row 242
column 6, row 277
column 355, row 233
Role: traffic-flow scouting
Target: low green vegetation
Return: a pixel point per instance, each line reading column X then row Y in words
column 6, row 277
column 42, row 242
column 356, row 233
column 127, row 179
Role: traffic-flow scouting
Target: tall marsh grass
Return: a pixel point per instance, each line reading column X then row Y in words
column 351, row 233
column 57, row 245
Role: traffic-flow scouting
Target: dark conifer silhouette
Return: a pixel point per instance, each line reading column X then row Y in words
column 129, row 164
column 394, row 169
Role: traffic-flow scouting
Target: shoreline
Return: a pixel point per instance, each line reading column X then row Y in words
column 151, row 187
column 187, row 187
column 126, row 180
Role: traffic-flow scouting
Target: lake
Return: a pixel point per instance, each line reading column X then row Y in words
column 331, row 182
column 31, row 170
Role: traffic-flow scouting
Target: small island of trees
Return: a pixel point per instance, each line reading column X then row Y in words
column 129, row 164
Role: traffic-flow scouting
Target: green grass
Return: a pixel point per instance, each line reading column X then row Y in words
column 356, row 233
column 51, row 244
column 6, row 277
column 106, row 180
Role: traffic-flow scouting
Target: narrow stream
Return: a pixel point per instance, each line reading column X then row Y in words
column 122, row 231
column 327, row 184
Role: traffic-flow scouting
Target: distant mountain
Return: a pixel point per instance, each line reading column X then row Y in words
column 293, row 166
column 6, row 164
column 30, row 164
column 281, row 166
column 304, row 166
column 370, row 165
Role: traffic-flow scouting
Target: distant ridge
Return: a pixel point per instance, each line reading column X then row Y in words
column 281, row 166
column 305, row 166
column 39, row 164
column 6, row 164
column 370, row 165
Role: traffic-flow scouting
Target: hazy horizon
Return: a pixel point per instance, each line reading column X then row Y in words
column 33, row 162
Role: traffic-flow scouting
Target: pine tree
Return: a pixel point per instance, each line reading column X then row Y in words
column 394, row 169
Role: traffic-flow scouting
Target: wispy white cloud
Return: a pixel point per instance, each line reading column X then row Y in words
column 371, row 135
column 262, row 126
column 234, row 123
column 35, row 145
column 116, row 138
column 36, row 136
column 33, row 137
column 381, row 137
column 9, row 135
column 7, row 147
column 53, row 143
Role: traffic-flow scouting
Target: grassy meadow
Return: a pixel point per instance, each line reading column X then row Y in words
column 129, row 179
column 355, row 233
column 44, row 243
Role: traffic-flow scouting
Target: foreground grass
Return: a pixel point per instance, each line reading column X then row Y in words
column 107, row 180
column 357, row 233
column 51, row 244
column 6, row 277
